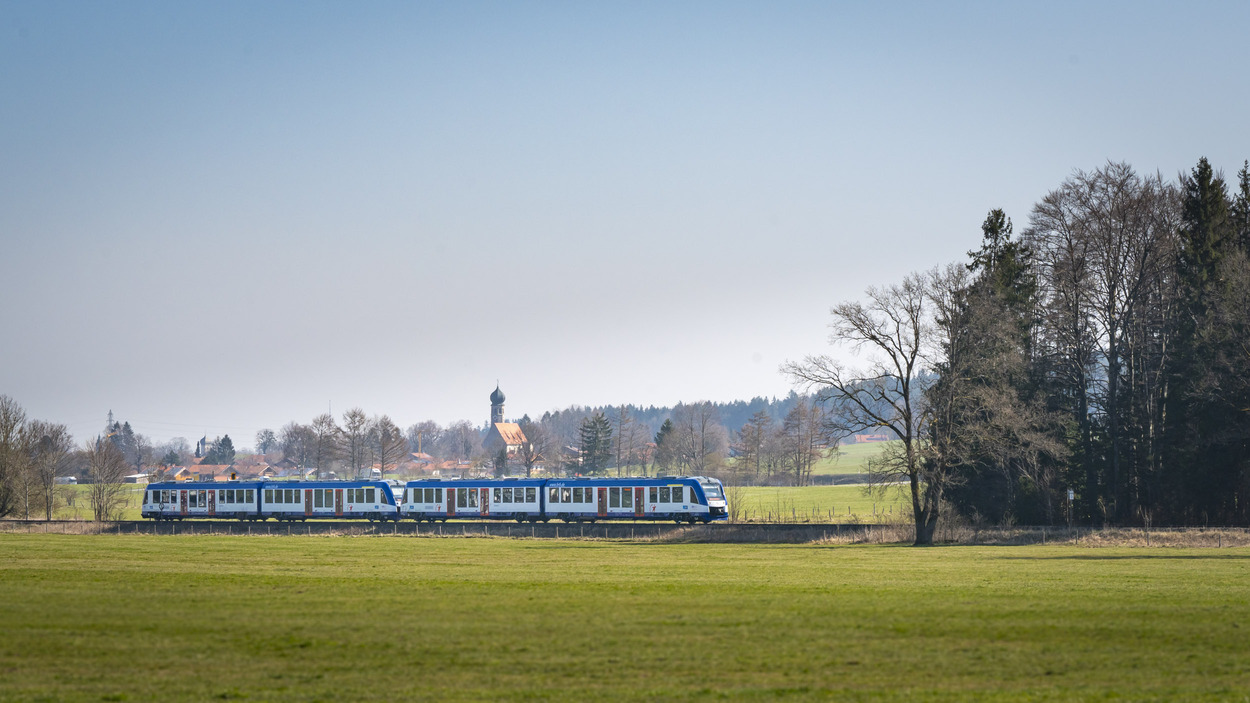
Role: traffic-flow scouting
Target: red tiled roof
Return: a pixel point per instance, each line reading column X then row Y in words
column 510, row 432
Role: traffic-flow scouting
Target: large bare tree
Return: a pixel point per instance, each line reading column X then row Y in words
column 891, row 330
column 14, row 456
column 701, row 440
column 356, row 440
column 107, row 466
column 387, row 443
column 51, row 451
column 327, row 441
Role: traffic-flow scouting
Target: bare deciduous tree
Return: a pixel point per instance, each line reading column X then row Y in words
column 355, row 440
column 387, row 442
column 802, row 435
column 326, row 441
column 894, row 328
column 51, row 449
column 701, row 441
column 537, row 445
column 13, row 452
column 107, row 466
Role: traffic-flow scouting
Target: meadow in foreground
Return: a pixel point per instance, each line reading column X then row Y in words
column 95, row 618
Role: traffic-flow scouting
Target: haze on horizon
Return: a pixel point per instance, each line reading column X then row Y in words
column 219, row 217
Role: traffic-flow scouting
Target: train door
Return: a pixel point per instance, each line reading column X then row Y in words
column 485, row 502
column 338, row 502
column 603, row 502
column 637, row 502
column 451, row 501
column 212, row 502
column 307, row 503
column 183, row 507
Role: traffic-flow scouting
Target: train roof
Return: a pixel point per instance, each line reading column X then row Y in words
column 270, row 483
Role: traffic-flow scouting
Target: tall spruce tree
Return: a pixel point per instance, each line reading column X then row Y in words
column 595, row 435
column 1198, row 469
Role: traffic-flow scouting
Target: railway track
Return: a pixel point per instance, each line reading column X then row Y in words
column 774, row 532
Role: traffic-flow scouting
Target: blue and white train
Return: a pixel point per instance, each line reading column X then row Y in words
column 678, row 498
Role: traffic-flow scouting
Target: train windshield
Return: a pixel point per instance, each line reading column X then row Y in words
column 712, row 490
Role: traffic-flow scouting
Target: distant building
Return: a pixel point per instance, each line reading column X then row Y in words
column 502, row 435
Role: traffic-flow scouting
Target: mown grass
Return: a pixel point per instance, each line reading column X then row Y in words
column 820, row 504
column 303, row 619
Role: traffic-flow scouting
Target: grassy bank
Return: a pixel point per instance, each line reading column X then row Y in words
column 199, row 618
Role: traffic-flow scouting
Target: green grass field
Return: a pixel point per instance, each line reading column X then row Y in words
column 820, row 504
column 92, row 618
column 850, row 459
column 74, row 503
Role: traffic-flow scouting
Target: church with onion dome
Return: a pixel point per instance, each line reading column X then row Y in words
column 502, row 435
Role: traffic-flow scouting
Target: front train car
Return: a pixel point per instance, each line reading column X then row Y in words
column 677, row 498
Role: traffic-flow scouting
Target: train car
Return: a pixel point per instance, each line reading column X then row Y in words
column 303, row 500
column 475, row 499
column 177, row 501
column 678, row 498
column 261, row 500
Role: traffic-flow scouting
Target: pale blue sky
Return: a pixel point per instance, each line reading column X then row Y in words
column 218, row 217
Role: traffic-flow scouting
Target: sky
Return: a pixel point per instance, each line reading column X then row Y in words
column 219, row 217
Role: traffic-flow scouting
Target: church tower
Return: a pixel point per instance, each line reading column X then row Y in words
column 496, row 405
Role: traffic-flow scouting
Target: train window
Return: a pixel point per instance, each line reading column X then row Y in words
column 193, row 502
column 251, row 497
column 428, row 493
column 653, row 493
column 371, row 494
column 627, row 497
column 531, row 495
column 472, row 495
column 553, row 495
column 577, row 494
column 566, row 495
column 438, row 495
column 498, row 495
column 664, row 494
column 268, row 495
column 614, row 497
column 461, row 500
column 318, row 499
column 505, row 494
column 678, row 494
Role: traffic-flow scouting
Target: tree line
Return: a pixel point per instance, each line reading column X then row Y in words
column 34, row 454
column 1100, row 354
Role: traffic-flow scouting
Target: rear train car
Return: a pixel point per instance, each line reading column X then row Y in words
column 179, row 501
column 261, row 500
